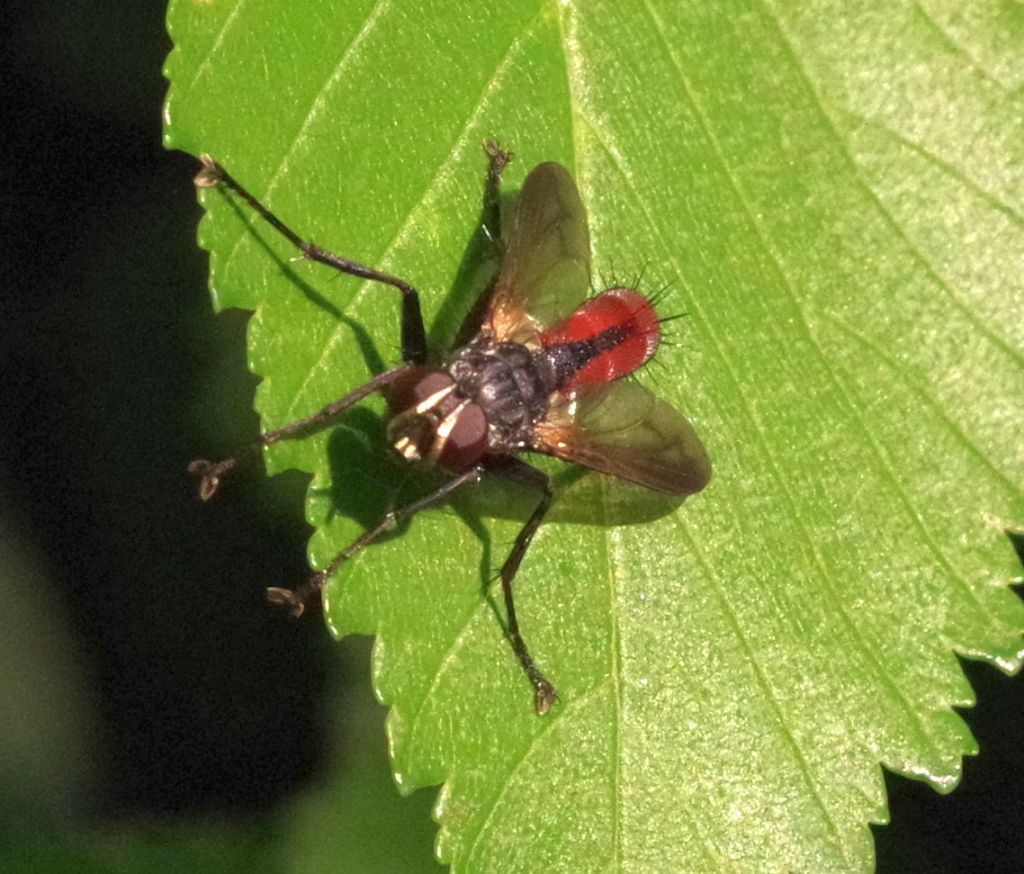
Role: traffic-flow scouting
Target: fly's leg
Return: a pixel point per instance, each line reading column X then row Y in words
column 414, row 343
column 498, row 160
column 210, row 473
column 414, row 336
column 294, row 600
column 544, row 693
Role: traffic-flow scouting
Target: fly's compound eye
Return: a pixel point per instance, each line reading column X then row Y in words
column 463, row 442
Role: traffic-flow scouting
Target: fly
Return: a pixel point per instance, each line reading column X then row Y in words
column 544, row 373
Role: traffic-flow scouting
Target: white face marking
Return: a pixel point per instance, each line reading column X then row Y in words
column 407, row 449
column 443, row 432
column 434, row 399
column 407, row 434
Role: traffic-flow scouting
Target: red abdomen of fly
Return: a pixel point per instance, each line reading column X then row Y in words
column 608, row 337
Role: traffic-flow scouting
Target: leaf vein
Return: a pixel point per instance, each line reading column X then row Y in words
column 573, row 67
column 852, row 406
column 901, row 374
column 573, row 72
column 439, row 176
column 949, row 169
column 312, row 115
column 614, row 669
column 218, row 40
column 865, row 185
column 958, row 49
column 577, row 703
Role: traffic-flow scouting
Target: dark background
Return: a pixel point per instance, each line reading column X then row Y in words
column 131, row 618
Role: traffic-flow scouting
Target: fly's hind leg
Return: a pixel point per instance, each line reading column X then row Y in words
column 544, row 693
column 497, row 160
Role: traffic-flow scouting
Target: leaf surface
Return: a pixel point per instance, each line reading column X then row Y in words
column 836, row 193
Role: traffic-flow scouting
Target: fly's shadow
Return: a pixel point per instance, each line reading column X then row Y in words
column 367, row 480
column 367, row 347
column 368, row 477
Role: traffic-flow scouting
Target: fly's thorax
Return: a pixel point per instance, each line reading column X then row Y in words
column 510, row 383
column 433, row 423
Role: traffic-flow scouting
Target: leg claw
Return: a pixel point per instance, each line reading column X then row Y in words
column 211, row 175
column 209, row 474
column 288, row 599
column 544, row 697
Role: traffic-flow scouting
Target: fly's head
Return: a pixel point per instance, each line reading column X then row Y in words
column 433, row 423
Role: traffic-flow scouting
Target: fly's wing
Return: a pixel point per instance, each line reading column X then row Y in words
column 545, row 273
column 623, row 430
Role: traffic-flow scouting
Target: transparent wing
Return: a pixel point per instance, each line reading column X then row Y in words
column 622, row 429
column 545, row 273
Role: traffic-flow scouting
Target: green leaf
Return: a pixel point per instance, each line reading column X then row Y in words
column 835, row 192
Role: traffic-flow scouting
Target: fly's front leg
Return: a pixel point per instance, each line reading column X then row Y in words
column 414, row 342
column 210, row 473
column 294, row 600
column 414, row 335
column 544, row 693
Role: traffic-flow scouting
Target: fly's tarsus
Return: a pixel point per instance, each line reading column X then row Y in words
column 210, row 474
column 294, row 601
column 545, row 697
column 211, row 175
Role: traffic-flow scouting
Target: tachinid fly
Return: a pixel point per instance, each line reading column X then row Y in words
column 544, row 373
